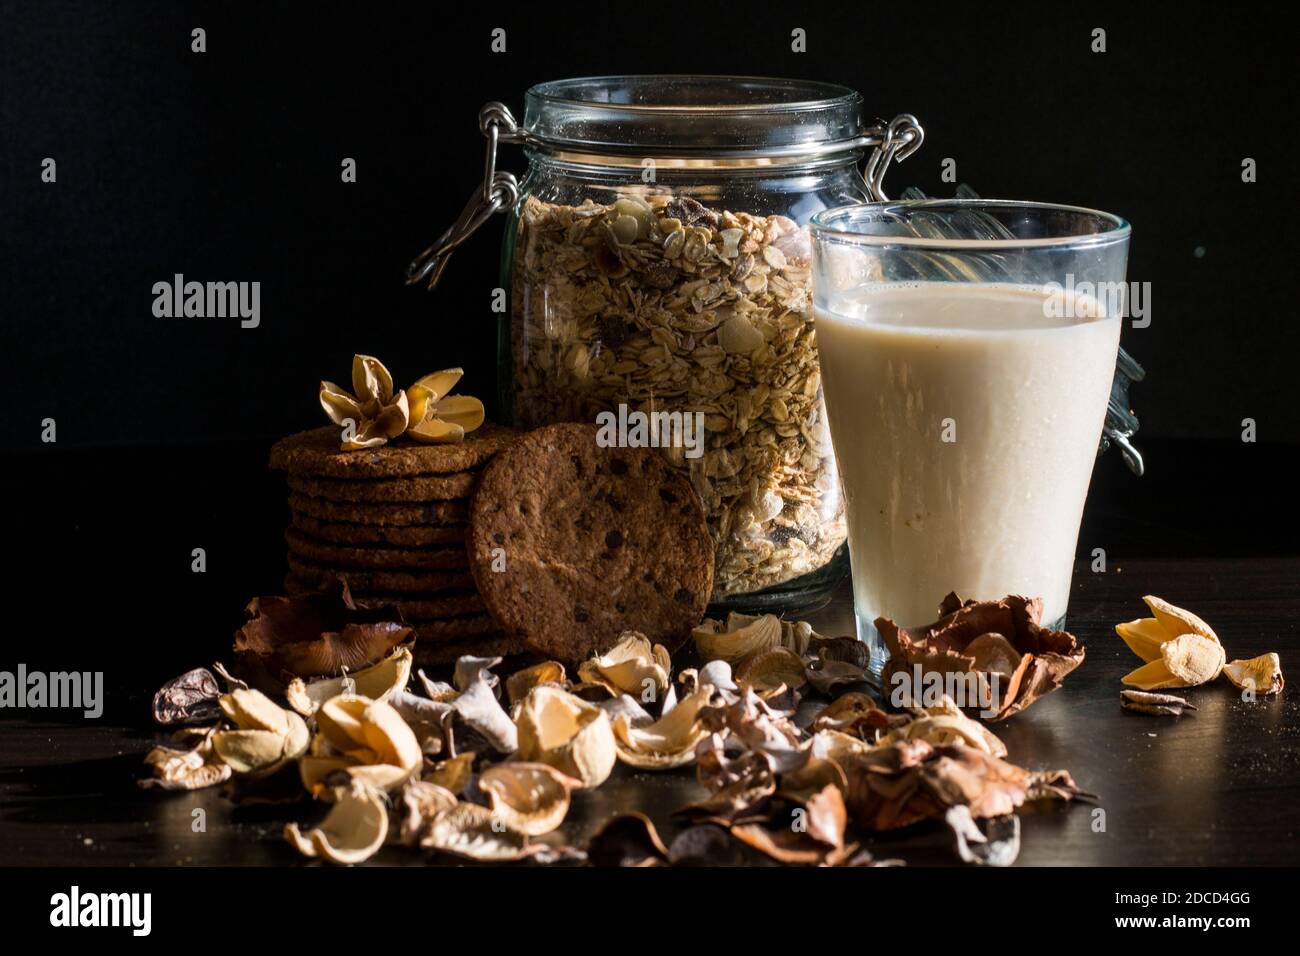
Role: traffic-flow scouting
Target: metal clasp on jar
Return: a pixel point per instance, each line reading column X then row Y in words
column 499, row 191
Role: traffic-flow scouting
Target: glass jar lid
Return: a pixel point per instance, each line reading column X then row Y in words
column 677, row 115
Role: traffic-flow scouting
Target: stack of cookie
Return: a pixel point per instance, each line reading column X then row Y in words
column 392, row 521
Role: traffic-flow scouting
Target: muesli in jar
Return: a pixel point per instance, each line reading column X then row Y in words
column 659, row 303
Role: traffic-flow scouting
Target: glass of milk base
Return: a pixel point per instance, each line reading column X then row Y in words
column 967, row 353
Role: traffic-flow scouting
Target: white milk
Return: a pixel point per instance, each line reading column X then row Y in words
column 996, row 510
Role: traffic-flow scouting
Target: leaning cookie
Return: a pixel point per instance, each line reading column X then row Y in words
column 317, row 453
column 571, row 544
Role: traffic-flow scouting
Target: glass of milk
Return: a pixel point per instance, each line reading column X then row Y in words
column 967, row 352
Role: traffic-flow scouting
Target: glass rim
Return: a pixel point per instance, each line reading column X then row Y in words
column 688, row 114
column 833, row 94
column 824, row 225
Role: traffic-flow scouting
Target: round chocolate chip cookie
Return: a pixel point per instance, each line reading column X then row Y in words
column 359, row 535
column 571, row 544
column 317, row 453
column 456, row 484
column 385, row 515
column 383, row 559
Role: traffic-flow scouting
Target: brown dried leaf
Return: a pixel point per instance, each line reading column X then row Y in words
column 316, row 635
column 1046, row 656
column 190, row 698
column 474, row 832
column 901, row 783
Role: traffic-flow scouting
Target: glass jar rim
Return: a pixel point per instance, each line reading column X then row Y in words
column 670, row 114
column 843, row 224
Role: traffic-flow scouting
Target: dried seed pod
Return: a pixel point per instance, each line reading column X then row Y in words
column 902, row 783
column 770, row 671
column 521, row 682
column 188, row 769
column 735, row 643
column 421, row 801
column 1185, row 661
column 631, row 666
column 946, row 724
column 362, row 739
column 265, row 737
column 475, row 833
column 668, row 742
column 378, row 682
column 1148, row 637
column 1262, row 675
column 569, row 734
column 1046, row 656
column 352, row 832
column 1162, row 705
column 454, row 774
column 478, row 707
column 532, row 798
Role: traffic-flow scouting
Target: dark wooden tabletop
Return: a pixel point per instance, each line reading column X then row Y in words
column 103, row 581
column 1220, row 786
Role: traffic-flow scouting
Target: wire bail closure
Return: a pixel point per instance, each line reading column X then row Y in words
column 499, row 190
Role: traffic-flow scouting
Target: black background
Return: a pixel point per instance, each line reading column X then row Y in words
column 225, row 166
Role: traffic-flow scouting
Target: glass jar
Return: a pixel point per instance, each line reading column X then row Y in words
column 658, row 267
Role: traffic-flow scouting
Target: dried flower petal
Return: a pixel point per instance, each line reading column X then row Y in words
column 352, row 832
column 362, row 739
column 1262, row 675
column 476, row 833
column 378, row 682
column 316, row 635
column 736, row 641
column 521, row 682
column 1046, row 656
column 186, row 769
column 770, row 671
column 265, row 737
column 532, row 798
column 668, row 742
column 571, row 735
column 633, row 666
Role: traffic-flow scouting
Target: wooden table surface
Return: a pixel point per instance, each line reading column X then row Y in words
column 1220, row 786
column 105, row 582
